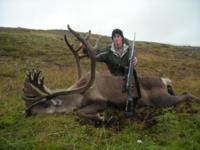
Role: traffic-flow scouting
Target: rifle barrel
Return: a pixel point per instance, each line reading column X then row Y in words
column 131, row 66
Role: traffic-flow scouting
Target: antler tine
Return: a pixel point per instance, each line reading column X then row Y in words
column 97, row 42
column 36, row 76
column 29, row 75
column 87, row 36
column 79, row 38
column 75, row 53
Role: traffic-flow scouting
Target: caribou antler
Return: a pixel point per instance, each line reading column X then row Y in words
column 34, row 85
column 75, row 52
column 37, row 84
column 92, row 55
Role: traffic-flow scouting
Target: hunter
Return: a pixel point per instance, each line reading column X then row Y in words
column 116, row 56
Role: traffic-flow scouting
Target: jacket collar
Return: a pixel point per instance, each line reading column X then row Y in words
column 125, row 49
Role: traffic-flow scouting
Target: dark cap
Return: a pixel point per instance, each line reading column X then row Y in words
column 117, row 31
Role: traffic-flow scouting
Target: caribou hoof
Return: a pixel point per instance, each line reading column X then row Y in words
column 101, row 117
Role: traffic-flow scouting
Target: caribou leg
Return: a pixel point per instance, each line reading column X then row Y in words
column 92, row 111
column 167, row 100
column 187, row 97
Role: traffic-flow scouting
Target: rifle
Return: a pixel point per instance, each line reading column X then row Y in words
column 132, row 78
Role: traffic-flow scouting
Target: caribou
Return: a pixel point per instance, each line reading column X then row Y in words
column 92, row 93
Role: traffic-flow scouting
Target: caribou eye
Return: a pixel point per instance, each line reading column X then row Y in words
column 45, row 104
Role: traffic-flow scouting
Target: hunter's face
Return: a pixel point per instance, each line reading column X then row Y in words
column 118, row 41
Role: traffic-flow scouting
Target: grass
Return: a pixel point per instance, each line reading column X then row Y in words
column 171, row 128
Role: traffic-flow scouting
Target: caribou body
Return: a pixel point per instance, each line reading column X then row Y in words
column 94, row 92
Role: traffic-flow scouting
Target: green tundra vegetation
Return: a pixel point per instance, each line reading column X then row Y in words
column 172, row 128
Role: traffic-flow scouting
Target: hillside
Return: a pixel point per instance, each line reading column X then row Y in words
column 166, row 128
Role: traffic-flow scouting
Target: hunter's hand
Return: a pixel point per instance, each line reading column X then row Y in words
column 134, row 61
column 82, row 45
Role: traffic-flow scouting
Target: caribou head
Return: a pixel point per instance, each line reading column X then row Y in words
column 92, row 93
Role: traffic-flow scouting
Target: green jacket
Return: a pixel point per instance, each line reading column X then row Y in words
column 117, row 65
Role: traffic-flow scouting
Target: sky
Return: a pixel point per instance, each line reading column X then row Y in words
column 164, row 21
